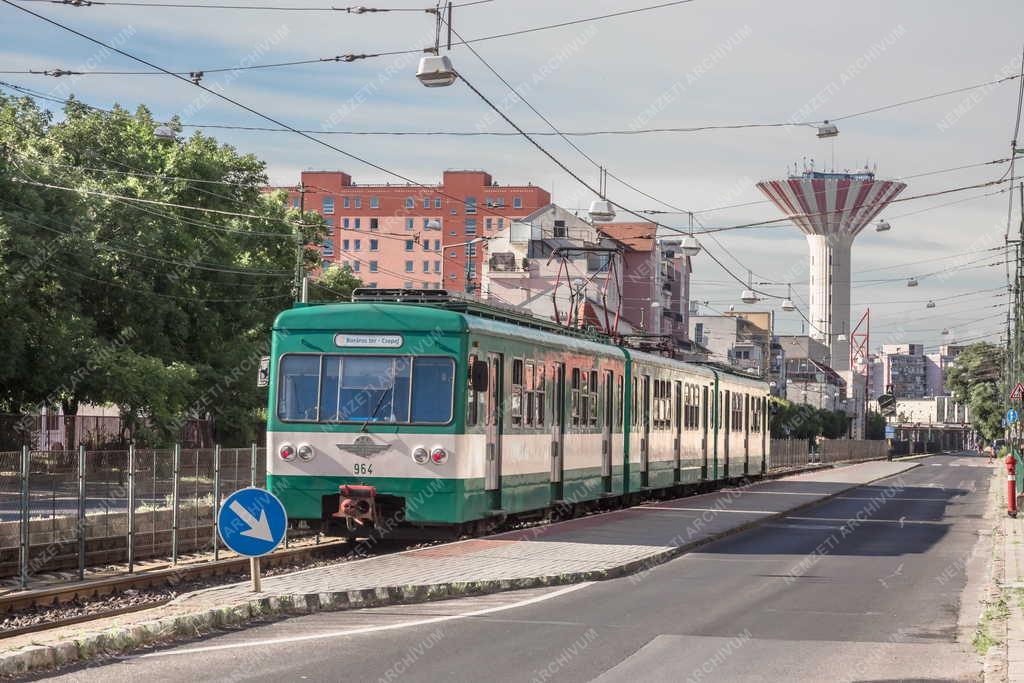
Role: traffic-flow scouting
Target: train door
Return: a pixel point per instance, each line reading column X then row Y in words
column 492, row 477
column 727, row 431
column 746, row 433
column 606, row 436
column 705, row 419
column 678, row 416
column 645, row 440
column 557, row 430
column 764, row 433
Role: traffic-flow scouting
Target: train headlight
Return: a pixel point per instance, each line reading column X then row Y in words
column 439, row 456
column 420, row 455
column 306, row 452
column 287, row 452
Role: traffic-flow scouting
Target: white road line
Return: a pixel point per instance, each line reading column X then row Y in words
column 779, row 493
column 920, row 500
column 739, row 512
column 901, row 522
column 367, row 629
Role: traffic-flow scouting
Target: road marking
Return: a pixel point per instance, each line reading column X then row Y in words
column 367, row 629
column 900, row 521
column 780, row 493
column 918, row 500
column 739, row 512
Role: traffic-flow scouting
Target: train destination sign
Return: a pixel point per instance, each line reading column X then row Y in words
column 368, row 341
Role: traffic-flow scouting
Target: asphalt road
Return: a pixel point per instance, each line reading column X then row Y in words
column 867, row 586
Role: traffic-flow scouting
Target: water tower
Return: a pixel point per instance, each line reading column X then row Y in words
column 831, row 209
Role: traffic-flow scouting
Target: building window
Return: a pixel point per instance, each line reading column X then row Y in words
column 437, row 266
column 437, row 245
column 517, row 202
column 373, row 266
column 455, row 210
column 374, row 245
column 406, row 285
column 500, row 202
column 359, row 202
column 329, row 222
column 451, row 254
column 470, row 205
column 408, row 245
column 374, row 202
column 328, row 205
column 295, row 203
column 470, row 226
column 560, row 230
column 426, row 245
column 374, row 224
column 426, row 221
column 408, row 266
column 437, row 202
column 488, row 224
column 328, row 249
column 373, row 285
column 410, row 203
column 357, row 223
column 409, row 224
column 344, row 223
column 357, row 245
column 426, row 202
column 345, row 202
column 501, row 224
column 344, row 245
column 355, row 266
column 451, row 276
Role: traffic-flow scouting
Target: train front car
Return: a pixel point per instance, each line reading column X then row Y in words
column 362, row 422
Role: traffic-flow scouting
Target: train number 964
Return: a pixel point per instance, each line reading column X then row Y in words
column 362, row 468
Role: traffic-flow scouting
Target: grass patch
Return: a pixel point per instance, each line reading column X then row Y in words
column 994, row 611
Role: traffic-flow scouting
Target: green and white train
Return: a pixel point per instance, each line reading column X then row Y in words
column 413, row 411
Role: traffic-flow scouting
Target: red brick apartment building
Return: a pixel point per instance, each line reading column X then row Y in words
column 381, row 231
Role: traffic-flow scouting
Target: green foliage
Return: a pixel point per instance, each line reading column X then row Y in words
column 973, row 380
column 334, row 284
column 161, row 311
column 875, row 429
column 800, row 421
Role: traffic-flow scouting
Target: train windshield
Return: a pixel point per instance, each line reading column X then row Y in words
column 363, row 388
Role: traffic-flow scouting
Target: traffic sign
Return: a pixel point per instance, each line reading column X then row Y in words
column 252, row 522
column 890, row 432
column 1018, row 392
column 1011, row 416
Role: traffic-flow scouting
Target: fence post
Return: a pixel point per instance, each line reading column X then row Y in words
column 176, row 467
column 216, row 499
column 23, row 555
column 252, row 465
column 81, row 512
column 131, row 507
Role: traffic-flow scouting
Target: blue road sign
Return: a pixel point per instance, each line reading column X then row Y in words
column 890, row 432
column 252, row 522
column 1011, row 416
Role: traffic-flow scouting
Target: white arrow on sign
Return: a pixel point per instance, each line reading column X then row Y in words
column 258, row 528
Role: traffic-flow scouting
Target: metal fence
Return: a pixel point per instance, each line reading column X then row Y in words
column 785, row 453
column 63, row 510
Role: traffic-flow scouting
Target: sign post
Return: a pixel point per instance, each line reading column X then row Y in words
column 252, row 522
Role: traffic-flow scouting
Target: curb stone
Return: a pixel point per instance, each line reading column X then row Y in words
column 123, row 639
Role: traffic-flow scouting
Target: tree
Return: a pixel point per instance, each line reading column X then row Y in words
column 973, row 380
column 160, row 310
column 875, row 426
column 335, row 284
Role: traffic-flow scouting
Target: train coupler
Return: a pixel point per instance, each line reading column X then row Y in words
column 357, row 504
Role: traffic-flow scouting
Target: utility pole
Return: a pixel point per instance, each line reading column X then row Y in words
column 300, row 232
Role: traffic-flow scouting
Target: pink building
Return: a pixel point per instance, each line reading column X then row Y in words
column 386, row 233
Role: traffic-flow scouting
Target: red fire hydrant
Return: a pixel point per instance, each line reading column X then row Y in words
column 1011, row 485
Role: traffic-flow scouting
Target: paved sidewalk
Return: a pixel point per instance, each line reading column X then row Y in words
column 601, row 546
column 1013, row 581
column 580, row 549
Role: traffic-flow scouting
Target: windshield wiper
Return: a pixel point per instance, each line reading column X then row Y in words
column 380, row 402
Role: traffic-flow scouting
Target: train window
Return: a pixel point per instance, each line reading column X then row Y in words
column 575, row 396
column 297, row 388
column 429, row 377
column 755, row 415
column 539, row 393
column 620, row 404
column 584, row 398
column 472, row 397
column 736, row 419
column 635, row 405
column 517, row 392
column 593, row 398
column 529, row 411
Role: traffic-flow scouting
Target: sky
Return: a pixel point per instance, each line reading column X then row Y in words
column 702, row 63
